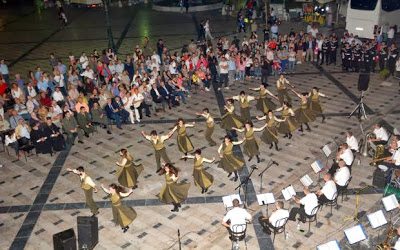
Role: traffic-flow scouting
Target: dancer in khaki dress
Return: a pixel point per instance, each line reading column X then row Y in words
column 304, row 114
column 172, row 192
column 229, row 162
column 157, row 141
column 315, row 105
column 251, row 146
column 209, row 125
column 230, row 119
column 263, row 103
column 183, row 141
column 270, row 134
column 244, row 102
column 123, row 215
column 290, row 124
column 202, row 178
column 88, row 187
column 128, row 172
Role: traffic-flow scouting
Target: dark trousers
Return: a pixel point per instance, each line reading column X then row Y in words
column 15, row 145
column 322, row 199
column 264, row 222
column 224, row 79
column 145, row 107
column 297, row 210
column 325, row 57
column 332, row 57
column 264, row 75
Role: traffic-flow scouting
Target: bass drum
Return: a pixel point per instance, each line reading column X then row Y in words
column 391, row 189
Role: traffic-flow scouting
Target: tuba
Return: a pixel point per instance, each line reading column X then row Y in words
column 386, row 244
column 366, row 148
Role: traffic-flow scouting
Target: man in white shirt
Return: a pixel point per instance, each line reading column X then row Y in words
column 156, row 57
column 342, row 175
column 351, row 141
column 139, row 104
column 328, row 191
column 89, row 73
column 236, row 216
column 381, row 136
column 390, row 36
column 223, row 72
column 346, row 155
column 83, row 60
column 314, row 31
column 307, row 205
column 275, row 220
column 58, row 97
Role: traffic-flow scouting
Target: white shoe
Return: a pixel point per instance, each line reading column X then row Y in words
column 133, row 122
column 206, row 89
column 219, row 89
column 138, row 120
column 226, row 87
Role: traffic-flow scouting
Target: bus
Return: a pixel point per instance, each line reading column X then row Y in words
column 365, row 17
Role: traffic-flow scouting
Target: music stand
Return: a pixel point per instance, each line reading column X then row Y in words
column 261, row 174
column 317, row 167
column 228, row 200
column 244, row 183
column 355, row 234
column 266, row 199
column 331, row 245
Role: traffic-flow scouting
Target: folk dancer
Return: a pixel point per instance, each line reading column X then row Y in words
column 172, row 192
column 270, row 134
column 304, row 114
column 157, row 141
column 128, row 173
column 244, row 102
column 229, row 162
column 263, row 103
column 209, row 126
column 88, row 187
column 201, row 177
column 251, row 146
column 315, row 105
column 282, row 84
column 290, row 124
column 183, row 140
column 123, row 215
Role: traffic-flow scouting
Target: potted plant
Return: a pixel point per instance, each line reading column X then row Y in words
column 384, row 74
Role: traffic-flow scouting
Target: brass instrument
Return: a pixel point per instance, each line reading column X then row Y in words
column 380, row 150
column 373, row 163
column 386, row 244
column 366, row 148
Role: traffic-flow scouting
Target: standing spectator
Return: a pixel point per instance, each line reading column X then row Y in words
column 390, row 36
column 4, row 72
column 223, row 72
column 207, row 30
column 274, row 31
column 292, row 60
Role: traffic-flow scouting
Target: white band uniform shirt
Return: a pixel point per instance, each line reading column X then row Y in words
column 278, row 215
column 381, row 133
column 329, row 189
column 342, row 176
column 310, row 201
column 352, row 142
column 237, row 216
column 347, row 156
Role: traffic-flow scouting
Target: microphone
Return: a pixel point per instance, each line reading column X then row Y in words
column 274, row 162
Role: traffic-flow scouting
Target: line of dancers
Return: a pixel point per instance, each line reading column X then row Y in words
column 175, row 193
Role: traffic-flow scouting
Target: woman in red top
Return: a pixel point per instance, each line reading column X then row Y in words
column 3, row 86
column 45, row 100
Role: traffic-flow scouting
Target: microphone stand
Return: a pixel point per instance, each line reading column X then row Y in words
column 179, row 240
column 245, row 183
column 261, row 174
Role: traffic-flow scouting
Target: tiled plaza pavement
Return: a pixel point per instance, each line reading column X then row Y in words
column 40, row 199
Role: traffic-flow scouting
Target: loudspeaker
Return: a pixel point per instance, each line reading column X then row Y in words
column 379, row 178
column 363, row 81
column 65, row 240
column 88, row 232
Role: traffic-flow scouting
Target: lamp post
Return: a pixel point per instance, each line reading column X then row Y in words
column 108, row 24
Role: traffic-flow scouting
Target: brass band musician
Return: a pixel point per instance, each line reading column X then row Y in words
column 381, row 136
column 345, row 154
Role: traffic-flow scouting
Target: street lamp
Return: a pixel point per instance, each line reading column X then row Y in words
column 108, row 24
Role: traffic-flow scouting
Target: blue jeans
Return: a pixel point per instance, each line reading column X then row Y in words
column 257, row 72
column 181, row 95
column 283, row 63
column 291, row 66
column 241, row 75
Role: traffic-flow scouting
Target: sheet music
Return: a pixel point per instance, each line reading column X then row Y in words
column 288, row 192
column 327, row 150
column 390, row 202
column 306, row 180
column 377, row 219
column 331, row 245
column 227, row 200
column 355, row 234
column 317, row 166
column 265, row 199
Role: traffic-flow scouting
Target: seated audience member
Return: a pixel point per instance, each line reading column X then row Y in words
column 84, row 122
column 11, row 140
column 139, row 104
column 22, row 132
column 112, row 112
column 157, row 97
column 70, row 127
column 40, row 141
column 31, row 105
column 21, row 109
column 45, row 100
column 99, row 117
column 51, row 131
column 4, row 124
column 328, row 191
column 14, row 118
column 121, row 109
